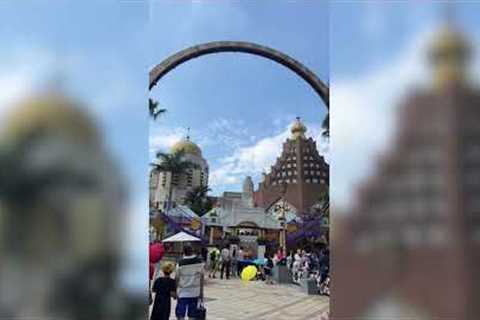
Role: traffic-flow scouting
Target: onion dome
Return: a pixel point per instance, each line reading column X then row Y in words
column 187, row 146
column 449, row 54
column 298, row 129
column 50, row 114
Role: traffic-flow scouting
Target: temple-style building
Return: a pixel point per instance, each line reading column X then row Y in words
column 162, row 183
column 295, row 183
column 416, row 226
column 236, row 215
column 299, row 175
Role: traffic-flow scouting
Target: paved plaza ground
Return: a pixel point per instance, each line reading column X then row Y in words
column 234, row 300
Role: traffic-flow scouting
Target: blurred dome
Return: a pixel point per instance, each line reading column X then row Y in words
column 449, row 53
column 298, row 129
column 449, row 40
column 187, row 146
column 49, row 114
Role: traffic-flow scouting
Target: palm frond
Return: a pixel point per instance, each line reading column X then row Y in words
column 154, row 109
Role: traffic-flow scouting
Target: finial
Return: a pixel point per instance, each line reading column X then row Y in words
column 188, row 133
column 298, row 129
column 449, row 52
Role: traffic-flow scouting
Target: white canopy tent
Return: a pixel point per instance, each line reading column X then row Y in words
column 181, row 237
column 177, row 243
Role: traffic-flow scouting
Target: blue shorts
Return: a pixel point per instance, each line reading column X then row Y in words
column 186, row 306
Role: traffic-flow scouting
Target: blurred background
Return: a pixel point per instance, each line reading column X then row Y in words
column 405, row 159
column 73, row 160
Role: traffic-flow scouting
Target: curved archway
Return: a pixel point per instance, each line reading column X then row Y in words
column 182, row 56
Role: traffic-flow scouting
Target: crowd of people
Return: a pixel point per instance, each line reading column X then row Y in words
column 309, row 264
column 226, row 261
column 302, row 264
column 187, row 286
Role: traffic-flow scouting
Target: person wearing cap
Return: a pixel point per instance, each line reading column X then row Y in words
column 165, row 289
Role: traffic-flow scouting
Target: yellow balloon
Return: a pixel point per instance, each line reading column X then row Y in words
column 248, row 273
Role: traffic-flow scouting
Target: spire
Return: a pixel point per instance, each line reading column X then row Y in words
column 449, row 53
column 247, row 192
column 188, row 134
column 298, row 129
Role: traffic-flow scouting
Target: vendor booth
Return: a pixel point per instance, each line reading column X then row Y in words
column 174, row 245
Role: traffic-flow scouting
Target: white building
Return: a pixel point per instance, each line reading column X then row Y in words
column 237, row 215
column 162, row 182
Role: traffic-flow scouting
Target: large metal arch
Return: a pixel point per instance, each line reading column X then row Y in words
column 182, row 56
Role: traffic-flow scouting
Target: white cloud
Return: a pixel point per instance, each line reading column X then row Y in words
column 223, row 133
column 23, row 70
column 253, row 159
column 163, row 139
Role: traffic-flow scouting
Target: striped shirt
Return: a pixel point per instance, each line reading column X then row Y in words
column 188, row 274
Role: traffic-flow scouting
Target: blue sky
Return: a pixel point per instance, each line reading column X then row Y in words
column 238, row 106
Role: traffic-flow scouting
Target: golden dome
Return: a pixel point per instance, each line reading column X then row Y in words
column 50, row 114
column 186, row 146
column 449, row 54
column 298, row 129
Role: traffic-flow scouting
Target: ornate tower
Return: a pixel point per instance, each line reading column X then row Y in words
column 299, row 174
column 417, row 218
column 449, row 56
column 247, row 194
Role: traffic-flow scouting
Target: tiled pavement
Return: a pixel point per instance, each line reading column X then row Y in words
column 255, row 300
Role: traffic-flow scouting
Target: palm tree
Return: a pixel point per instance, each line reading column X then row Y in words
column 325, row 200
column 198, row 201
column 175, row 164
column 154, row 109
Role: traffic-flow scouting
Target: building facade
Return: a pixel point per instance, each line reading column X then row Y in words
column 162, row 183
column 416, row 228
column 236, row 215
column 299, row 175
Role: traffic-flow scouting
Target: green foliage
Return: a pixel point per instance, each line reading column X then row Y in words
column 175, row 164
column 154, row 109
column 197, row 200
column 325, row 200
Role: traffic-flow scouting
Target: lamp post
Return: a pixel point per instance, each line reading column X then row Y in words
column 282, row 208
